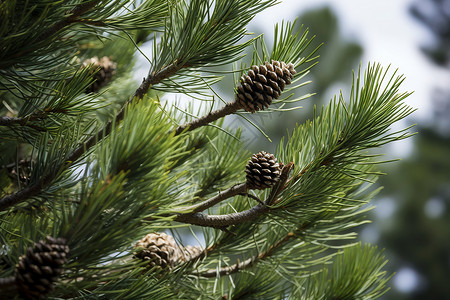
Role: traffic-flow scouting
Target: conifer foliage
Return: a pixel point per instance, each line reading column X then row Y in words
column 101, row 175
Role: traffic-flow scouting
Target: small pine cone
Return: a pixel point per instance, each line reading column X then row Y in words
column 190, row 252
column 262, row 170
column 105, row 68
column 262, row 84
column 40, row 267
column 159, row 249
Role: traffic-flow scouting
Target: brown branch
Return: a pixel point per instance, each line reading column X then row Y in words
column 72, row 18
column 232, row 191
column 229, row 108
column 36, row 188
column 230, row 269
column 220, row 221
column 29, row 119
column 11, row 121
column 248, row 263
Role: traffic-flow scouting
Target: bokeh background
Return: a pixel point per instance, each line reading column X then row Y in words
column 411, row 220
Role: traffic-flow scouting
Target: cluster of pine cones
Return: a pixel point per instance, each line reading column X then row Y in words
column 40, row 267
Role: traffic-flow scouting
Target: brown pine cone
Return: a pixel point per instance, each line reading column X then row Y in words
column 159, row 249
column 262, row 84
column 262, row 170
column 40, row 267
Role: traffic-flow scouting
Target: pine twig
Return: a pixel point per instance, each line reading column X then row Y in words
column 72, row 18
column 220, row 221
column 230, row 269
column 248, row 263
column 36, row 188
column 229, row 108
column 11, row 121
column 76, row 12
column 232, row 191
column 253, row 197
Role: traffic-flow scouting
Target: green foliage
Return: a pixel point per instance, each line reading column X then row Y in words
column 356, row 273
column 290, row 45
column 334, row 143
column 108, row 167
column 202, row 34
column 327, row 194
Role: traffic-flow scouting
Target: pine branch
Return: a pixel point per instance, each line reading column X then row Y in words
column 229, row 108
column 35, row 189
column 28, row 120
column 12, row 121
column 232, row 191
column 222, row 221
column 248, row 263
column 229, row 270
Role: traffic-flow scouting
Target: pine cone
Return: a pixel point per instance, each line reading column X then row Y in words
column 262, row 170
column 159, row 249
column 40, row 268
column 105, row 68
column 191, row 252
column 262, row 84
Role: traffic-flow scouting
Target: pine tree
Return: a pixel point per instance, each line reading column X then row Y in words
column 99, row 176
